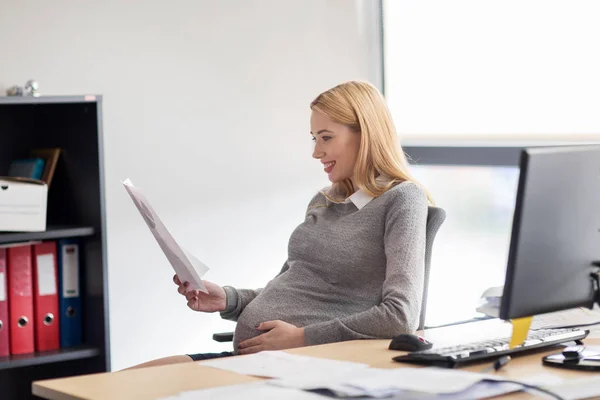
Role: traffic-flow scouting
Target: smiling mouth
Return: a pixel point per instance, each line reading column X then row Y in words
column 329, row 166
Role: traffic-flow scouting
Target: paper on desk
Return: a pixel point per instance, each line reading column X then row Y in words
column 253, row 390
column 336, row 381
column 428, row 380
column 582, row 388
column 413, row 383
column 576, row 317
column 493, row 293
column 187, row 267
column 490, row 301
column 279, row 364
column 379, row 382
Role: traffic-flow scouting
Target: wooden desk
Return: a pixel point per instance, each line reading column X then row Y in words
column 156, row 382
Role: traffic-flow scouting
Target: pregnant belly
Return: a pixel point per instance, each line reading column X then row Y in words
column 295, row 313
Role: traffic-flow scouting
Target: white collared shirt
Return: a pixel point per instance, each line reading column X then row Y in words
column 359, row 199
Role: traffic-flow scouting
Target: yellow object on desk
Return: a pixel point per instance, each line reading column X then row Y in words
column 520, row 331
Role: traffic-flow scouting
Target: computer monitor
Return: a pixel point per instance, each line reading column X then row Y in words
column 555, row 238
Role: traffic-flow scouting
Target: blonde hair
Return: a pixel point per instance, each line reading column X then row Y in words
column 362, row 108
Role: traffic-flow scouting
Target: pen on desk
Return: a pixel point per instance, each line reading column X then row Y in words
column 499, row 363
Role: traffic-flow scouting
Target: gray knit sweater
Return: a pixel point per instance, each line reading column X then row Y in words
column 350, row 274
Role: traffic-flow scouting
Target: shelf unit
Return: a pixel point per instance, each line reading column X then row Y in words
column 51, row 232
column 48, row 357
column 76, row 208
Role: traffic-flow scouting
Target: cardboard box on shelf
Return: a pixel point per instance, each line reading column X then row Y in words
column 23, row 201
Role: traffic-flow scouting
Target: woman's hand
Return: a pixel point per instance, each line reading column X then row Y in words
column 215, row 300
column 280, row 335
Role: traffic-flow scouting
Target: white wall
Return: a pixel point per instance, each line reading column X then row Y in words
column 205, row 109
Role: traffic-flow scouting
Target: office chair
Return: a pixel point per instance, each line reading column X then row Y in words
column 435, row 218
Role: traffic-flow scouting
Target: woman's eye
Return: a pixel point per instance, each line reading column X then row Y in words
column 326, row 138
column 314, row 139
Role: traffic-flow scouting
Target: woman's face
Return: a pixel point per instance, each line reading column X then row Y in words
column 336, row 146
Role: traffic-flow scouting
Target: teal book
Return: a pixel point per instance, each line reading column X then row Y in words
column 27, row 168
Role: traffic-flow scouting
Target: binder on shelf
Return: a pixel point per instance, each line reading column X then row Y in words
column 69, row 266
column 4, row 337
column 20, row 299
column 45, row 296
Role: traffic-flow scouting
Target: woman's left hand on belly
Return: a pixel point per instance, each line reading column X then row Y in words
column 280, row 335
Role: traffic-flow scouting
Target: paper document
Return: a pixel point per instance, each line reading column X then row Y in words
column 427, row 380
column 279, row 364
column 413, row 383
column 253, row 390
column 491, row 300
column 404, row 383
column 581, row 388
column 576, row 317
column 187, row 267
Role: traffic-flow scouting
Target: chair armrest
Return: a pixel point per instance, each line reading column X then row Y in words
column 223, row 337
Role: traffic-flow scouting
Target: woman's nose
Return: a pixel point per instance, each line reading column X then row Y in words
column 317, row 153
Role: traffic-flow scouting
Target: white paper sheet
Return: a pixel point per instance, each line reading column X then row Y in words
column 405, row 383
column 427, row 380
column 575, row 317
column 582, row 388
column 413, row 383
column 493, row 292
column 187, row 267
column 246, row 391
column 279, row 364
column 335, row 381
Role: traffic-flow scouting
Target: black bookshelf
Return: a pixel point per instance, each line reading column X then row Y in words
column 26, row 360
column 76, row 208
column 52, row 232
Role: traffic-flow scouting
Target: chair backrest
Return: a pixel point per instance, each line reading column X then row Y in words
column 435, row 218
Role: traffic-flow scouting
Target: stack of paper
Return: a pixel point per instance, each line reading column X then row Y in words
column 491, row 299
column 348, row 379
column 580, row 317
column 380, row 383
column 309, row 378
column 279, row 364
column 573, row 318
column 582, row 388
column 246, row 391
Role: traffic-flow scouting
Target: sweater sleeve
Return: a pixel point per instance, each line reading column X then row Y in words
column 398, row 312
column 238, row 299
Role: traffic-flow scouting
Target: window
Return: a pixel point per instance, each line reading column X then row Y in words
column 471, row 247
column 508, row 71
column 469, row 83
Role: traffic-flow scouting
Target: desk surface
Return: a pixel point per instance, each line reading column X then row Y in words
column 157, row 382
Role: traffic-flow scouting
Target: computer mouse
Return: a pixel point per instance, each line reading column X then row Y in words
column 407, row 342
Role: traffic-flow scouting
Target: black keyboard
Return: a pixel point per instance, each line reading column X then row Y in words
column 489, row 350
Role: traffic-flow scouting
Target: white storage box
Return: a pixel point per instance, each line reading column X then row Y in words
column 23, row 204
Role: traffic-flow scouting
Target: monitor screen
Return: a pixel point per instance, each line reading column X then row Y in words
column 555, row 237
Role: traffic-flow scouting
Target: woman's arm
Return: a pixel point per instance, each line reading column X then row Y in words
column 238, row 299
column 402, row 291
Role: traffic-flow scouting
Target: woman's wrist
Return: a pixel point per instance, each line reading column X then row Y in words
column 230, row 300
column 300, row 335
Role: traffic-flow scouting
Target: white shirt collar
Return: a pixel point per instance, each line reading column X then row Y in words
column 360, row 198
